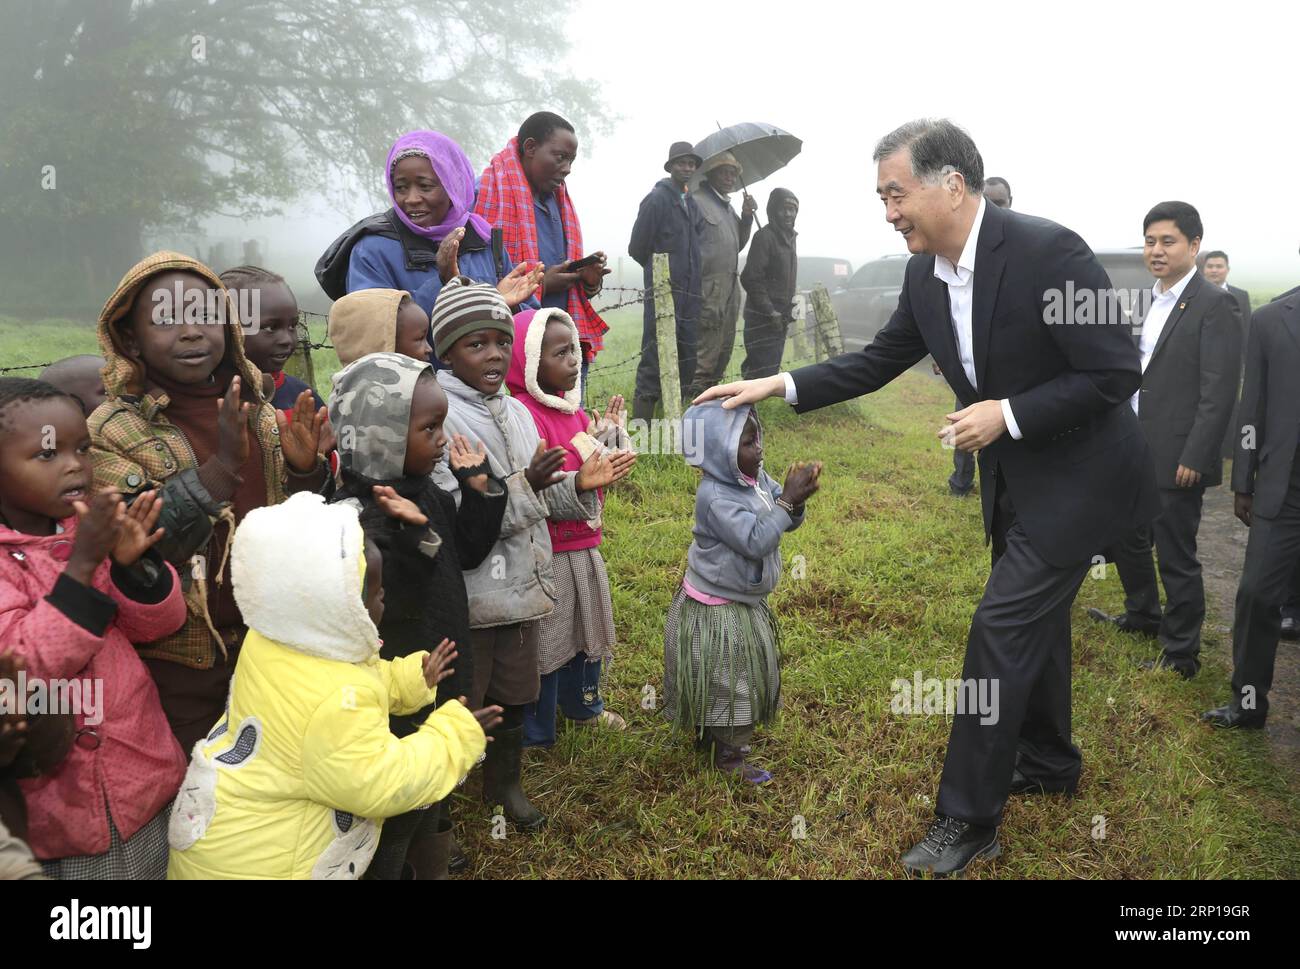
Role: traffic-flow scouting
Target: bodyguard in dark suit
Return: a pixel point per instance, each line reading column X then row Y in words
column 1215, row 268
column 991, row 295
column 1266, row 480
column 1190, row 342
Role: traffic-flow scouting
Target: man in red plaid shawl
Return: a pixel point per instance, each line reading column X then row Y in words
column 522, row 192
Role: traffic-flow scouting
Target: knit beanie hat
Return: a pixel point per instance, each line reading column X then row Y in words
column 464, row 306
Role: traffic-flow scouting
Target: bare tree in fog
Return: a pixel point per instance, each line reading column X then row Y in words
column 118, row 116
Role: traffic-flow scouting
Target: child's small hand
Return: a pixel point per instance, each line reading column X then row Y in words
column 99, row 527
column 489, row 718
column 602, row 470
column 300, row 433
column 328, row 439
column 463, row 454
column 613, row 417
column 437, row 666
column 395, row 506
column 801, row 481
column 544, row 470
column 139, row 529
column 520, row 283
column 232, row 429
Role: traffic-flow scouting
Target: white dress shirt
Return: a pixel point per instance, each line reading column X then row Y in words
column 1162, row 304
column 960, row 280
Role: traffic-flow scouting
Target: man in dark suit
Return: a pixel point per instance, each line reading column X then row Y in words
column 1266, row 482
column 1190, row 341
column 1214, row 266
column 993, row 296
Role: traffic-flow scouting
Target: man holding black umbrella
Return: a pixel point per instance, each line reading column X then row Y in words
column 722, row 235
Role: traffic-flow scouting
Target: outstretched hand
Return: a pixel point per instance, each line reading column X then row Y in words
column 301, row 432
column 520, row 283
column 437, row 665
column 139, row 531
column 740, row 392
column 489, row 718
column 602, row 469
column 544, row 469
column 463, row 455
column 396, row 506
column 801, row 481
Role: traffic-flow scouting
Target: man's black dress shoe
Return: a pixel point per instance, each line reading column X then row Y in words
column 1163, row 664
column 1291, row 628
column 949, row 847
column 1126, row 625
column 1020, row 784
column 1229, row 718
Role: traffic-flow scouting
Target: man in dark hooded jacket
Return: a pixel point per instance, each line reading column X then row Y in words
column 769, row 281
column 669, row 221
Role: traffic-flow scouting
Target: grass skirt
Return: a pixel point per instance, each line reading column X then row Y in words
column 721, row 665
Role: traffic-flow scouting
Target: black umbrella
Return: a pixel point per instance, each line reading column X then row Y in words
column 760, row 148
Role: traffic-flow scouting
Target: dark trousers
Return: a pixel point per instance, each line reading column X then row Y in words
column 1174, row 534
column 1272, row 554
column 1020, row 640
column 1291, row 608
column 962, row 481
column 647, row 369
column 764, row 345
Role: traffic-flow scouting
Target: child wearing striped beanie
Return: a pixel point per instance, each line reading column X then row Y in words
column 513, row 588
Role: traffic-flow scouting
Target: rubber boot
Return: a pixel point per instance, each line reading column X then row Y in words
column 428, row 856
column 457, row 860
column 501, row 780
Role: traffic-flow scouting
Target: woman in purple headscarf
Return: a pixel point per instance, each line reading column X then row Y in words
column 429, row 235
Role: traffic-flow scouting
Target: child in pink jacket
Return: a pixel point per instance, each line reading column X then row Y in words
column 78, row 584
column 578, row 636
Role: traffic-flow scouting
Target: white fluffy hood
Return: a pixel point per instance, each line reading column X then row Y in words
column 297, row 572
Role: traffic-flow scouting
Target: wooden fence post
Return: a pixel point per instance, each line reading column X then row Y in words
column 300, row 363
column 666, row 337
column 802, row 321
column 830, row 342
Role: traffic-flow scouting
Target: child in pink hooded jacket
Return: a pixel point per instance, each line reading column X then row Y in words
column 578, row 636
column 79, row 583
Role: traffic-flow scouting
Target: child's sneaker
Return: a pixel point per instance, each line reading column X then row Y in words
column 731, row 760
column 606, row 718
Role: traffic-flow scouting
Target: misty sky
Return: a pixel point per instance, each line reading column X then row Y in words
column 1092, row 117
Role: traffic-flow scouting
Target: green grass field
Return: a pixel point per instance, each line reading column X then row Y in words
column 891, row 570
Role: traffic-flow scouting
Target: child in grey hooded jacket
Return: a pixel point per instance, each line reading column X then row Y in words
column 721, row 642
column 473, row 332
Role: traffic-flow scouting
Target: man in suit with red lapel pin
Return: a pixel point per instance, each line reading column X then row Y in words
column 1190, row 341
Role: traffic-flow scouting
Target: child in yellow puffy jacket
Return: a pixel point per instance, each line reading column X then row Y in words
column 296, row 779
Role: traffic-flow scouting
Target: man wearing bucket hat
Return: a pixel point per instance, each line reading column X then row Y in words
column 669, row 221
column 722, row 235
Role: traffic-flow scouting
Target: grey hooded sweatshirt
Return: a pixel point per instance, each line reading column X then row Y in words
column 514, row 583
column 736, row 553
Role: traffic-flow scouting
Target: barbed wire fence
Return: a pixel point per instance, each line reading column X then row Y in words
column 816, row 337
